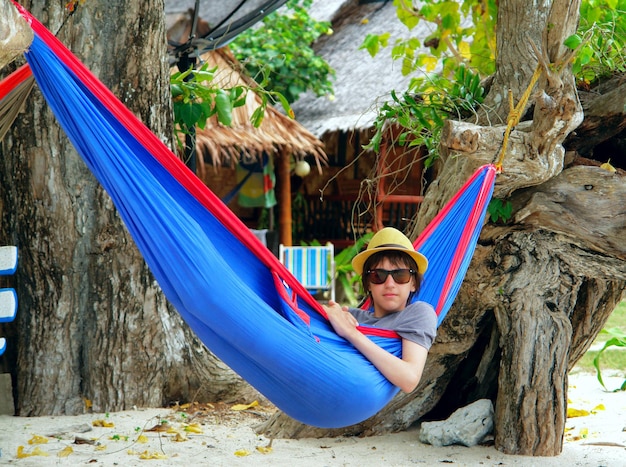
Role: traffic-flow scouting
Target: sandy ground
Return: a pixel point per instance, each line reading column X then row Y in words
column 221, row 436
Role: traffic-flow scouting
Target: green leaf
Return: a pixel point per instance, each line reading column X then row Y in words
column 224, row 108
column 371, row 43
column 573, row 41
column 257, row 116
column 238, row 96
column 176, row 90
column 285, row 104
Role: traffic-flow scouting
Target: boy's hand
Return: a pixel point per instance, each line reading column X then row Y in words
column 340, row 319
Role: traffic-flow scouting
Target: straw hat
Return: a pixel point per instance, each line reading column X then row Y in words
column 385, row 240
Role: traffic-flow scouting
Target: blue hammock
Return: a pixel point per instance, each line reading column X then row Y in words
column 234, row 294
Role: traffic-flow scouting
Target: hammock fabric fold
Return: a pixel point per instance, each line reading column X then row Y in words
column 237, row 297
column 13, row 92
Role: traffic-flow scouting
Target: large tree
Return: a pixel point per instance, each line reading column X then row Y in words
column 541, row 285
column 92, row 323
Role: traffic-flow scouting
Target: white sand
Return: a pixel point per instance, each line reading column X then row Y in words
column 227, row 438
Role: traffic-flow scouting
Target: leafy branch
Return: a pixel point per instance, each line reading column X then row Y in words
column 600, row 40
column 196, row 98
column 421, row 112
column 280, row 54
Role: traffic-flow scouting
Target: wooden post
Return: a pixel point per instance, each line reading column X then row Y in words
column 283, row 188
column 381, row 171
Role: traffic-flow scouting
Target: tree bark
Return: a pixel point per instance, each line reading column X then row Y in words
column 15, row 34
column 605, row 118
column 93, row 324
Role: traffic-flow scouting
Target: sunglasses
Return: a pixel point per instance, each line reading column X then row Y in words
column 400, row 276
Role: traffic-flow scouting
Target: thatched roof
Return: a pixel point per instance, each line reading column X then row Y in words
column 362, row 83
column 277, row 133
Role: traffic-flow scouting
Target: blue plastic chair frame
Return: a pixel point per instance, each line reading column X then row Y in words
column 8, row 297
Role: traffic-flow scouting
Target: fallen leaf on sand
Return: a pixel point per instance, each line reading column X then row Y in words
column 152, row 455
column 36, row 439
column 35, row 452
column 163, row 426
column 239, row 407
column 65, row 452
column 572, row 412
column 103, row 423
column 193, row 428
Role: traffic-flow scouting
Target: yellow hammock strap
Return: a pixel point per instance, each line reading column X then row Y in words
column 515, row 113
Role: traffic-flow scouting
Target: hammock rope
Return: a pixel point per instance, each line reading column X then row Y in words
column 241, row 302
column 515, row 114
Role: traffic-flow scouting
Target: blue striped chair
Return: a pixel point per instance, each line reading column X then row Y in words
column 313, row 266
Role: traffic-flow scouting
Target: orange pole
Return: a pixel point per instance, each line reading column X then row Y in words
column 283, row 182
column 380, row 188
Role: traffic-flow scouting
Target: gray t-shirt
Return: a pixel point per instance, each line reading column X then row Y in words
column 417, row 322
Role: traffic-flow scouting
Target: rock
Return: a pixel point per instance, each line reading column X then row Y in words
column 467, row 426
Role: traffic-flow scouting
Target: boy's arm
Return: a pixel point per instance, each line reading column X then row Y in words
column 404, row 373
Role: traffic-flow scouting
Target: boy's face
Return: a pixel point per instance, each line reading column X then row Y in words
column 390, row 296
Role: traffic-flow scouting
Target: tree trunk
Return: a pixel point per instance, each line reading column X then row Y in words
column 605, row 117
column 541, row 286
column 93, row 324
column 15, row 34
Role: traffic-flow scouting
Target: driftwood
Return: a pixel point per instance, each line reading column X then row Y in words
column 15, row 34
column 605, row 117
column 585, row 203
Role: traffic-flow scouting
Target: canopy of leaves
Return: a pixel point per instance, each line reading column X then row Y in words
column 460, row 51
column 464, row 34
column 601, row 40
column 279, row 56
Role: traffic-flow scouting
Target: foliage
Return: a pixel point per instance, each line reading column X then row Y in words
column 463, row 34
column 344, row 273
column 195, row 101
column 600, row 40
column 499, row 210
column 279, row 52
column 421, row 112
column 617, row 339
column 276, row 54
column 610, row 340
column 196, row 98
column 463, row 38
